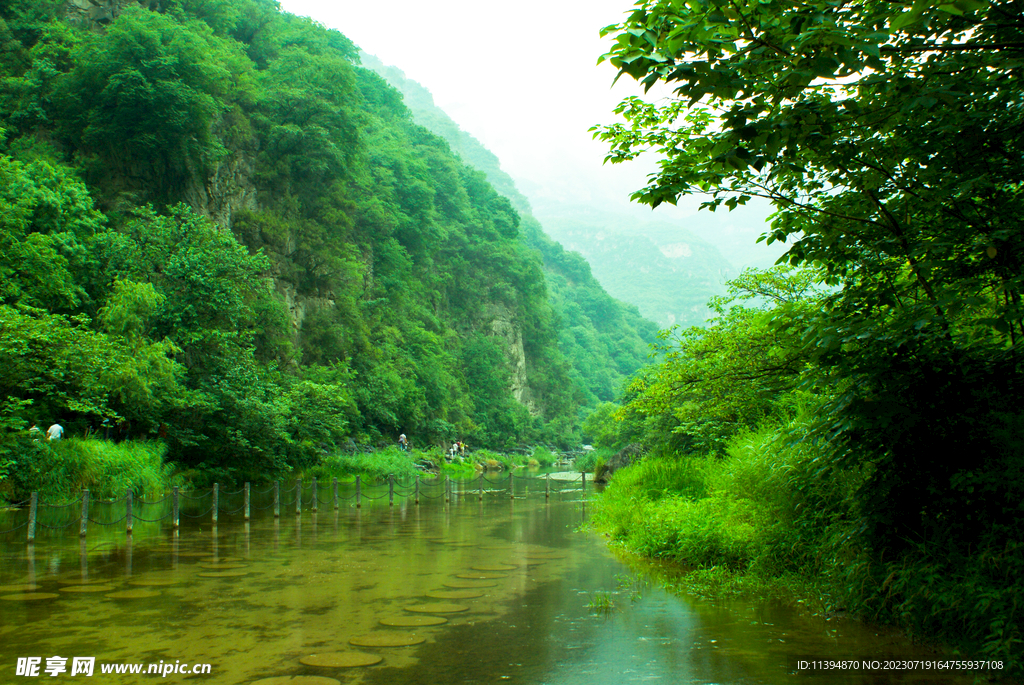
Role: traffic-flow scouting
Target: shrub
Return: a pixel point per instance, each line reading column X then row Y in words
column 390, row 461
column 60, row 470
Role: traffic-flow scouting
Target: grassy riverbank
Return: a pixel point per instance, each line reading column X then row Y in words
column 59, row 470
column 766, row 520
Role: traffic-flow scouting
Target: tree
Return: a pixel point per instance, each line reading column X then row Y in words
column 889, row 137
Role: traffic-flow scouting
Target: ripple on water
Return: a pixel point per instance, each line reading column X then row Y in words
column 342, row 659
column 412, row 621
column 468, row 584
column 385, row 638
column 437, row 608
column 153, row 582
column 454, row 594
column 23, row 587
column 87, row 588
column 481, row 576
column 138, row 593
column 29, row 596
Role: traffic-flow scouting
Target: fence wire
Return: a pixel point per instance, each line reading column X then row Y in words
column 198, row 516
column 60, row 527
column 11, row 530
column 407, row 490
column 108, row 523
column 139, row 518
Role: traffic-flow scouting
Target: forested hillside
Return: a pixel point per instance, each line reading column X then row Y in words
column 605, row 340
column 860, row 427
column 217, row 229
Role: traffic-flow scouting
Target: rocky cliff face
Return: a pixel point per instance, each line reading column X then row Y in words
column 98, row 13
column 502, row 324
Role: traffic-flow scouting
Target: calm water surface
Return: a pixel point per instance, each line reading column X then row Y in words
column 519, row 582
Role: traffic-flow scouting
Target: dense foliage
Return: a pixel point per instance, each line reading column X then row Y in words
column 218, row 230
column 888, row 136
column 603, row 340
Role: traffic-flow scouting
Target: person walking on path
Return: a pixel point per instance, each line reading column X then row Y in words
column 55, row 432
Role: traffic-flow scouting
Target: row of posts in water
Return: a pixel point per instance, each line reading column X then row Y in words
column 84, row 522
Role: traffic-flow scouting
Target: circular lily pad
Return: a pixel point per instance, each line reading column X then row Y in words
column 187, row 553
column 153, row 582
column 468, row 584
column 480, row 576
column 72, row 580
column 386, row 638
column 437, row 608
column 210, row 559
column 224, row 567
column 139, row 593
column 454, row 594
column 87, row 588
column 24, row 587
column 544, row 555
column 298, row 680
column 494, row 567
column 342, row 659
column 223, row 574
column 30, row 596
column 413, row 621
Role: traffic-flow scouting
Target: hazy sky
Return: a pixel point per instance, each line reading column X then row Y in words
column 523, row 79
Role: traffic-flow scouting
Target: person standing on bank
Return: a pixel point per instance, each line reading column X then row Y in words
column 54, row 432
column 403, row 442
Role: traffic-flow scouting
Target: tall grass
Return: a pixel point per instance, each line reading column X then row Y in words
column 757, row 509
column 767, row 516
column 60, row 470
column 373, row 466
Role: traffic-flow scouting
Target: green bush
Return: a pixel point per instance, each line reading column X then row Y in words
column 374, row 466
column 544, row 456
column 60, row 470
column 588, row 460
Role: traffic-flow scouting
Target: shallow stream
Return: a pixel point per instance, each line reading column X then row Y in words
column 517, row 591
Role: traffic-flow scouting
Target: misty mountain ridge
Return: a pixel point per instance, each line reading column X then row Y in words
column 653, row 263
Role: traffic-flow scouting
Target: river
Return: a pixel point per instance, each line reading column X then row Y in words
column 518, row 591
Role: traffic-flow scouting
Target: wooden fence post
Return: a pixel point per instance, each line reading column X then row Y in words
column 33, row 503
column 298, row 496
column 247, row 501
column 85, row 512
column 417, row 499
column 511, row 487
column 277, row 499
column 174, row 507
column 335, row 486
column 128, row 510
column 391, row 491
column 359, row 501
column 216, row 501
column 316, row 498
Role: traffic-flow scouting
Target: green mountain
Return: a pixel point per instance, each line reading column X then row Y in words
column 216, row 228
column 605, row 340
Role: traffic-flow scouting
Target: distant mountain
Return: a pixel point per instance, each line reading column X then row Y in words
column 665, row 270
column 605, row 340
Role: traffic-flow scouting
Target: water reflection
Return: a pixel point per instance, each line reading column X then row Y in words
column 483, row 591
